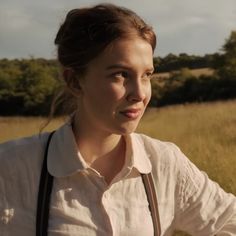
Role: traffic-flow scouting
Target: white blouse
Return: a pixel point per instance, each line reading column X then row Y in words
column 82, row 203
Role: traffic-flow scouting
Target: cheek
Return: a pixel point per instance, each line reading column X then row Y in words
column 148, row 93
column 108, row 96
column 113, row 93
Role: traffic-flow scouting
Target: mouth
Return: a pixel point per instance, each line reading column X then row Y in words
column 131, row 113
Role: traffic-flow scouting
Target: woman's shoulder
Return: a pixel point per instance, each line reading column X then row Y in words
column 22, row 152
column 151, row 144
column 22, row 144
column 168, row 158
column 163, row 155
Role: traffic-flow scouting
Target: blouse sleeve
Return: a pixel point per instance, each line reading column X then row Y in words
column 203, row 207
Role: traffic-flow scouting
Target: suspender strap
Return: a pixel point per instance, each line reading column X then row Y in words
column 45, row 188
column 152, row 199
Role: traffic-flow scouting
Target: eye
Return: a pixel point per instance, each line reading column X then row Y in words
column 120, row 75
column 148, row 75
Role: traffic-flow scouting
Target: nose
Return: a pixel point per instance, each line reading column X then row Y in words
column 136, row 92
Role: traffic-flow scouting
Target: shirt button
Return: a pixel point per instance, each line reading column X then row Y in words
column 7, row 215
column 106, row 195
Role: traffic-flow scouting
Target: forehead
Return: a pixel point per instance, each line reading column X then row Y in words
column 135, row 53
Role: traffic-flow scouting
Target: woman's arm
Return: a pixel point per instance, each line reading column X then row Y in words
column 203, row 207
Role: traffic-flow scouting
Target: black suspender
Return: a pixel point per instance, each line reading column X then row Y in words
column 45, row 189
column 153, row 203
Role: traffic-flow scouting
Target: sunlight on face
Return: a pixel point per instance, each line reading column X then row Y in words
column 116, row 88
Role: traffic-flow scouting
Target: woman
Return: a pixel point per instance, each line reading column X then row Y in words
column 95, row 160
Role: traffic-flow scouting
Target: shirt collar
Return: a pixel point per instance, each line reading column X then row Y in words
column 136, row 154
column 64, row 158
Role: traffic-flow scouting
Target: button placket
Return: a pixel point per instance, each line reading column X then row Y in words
column 105, row 203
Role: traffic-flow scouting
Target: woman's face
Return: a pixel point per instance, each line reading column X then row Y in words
column 116, row 87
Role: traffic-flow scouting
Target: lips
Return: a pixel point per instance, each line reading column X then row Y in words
column 131, row 113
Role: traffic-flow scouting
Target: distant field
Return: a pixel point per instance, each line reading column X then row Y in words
column 205, row 132
column 194, row 72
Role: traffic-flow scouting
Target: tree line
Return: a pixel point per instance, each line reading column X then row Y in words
column 173, row 62
column 27, row 86
column 182, row 86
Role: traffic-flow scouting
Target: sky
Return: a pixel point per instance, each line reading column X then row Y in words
column 197, row 27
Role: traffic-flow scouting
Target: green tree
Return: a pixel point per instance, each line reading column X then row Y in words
column 230, row 45
column 36, row 84
column 228, row 68
column 27, row 86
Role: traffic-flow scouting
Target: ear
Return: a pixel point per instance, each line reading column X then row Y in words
column 72, row 82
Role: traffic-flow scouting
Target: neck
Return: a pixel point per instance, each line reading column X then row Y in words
column 94, row 145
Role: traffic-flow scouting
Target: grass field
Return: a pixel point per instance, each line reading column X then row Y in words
column 205, row 132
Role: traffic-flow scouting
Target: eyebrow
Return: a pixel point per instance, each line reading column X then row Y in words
column 121, row 66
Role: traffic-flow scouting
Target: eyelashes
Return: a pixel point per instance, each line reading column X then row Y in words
column 121, row 75
column 127, row 75
column 149, row 74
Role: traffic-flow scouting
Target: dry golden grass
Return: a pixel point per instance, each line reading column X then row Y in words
column 205, row 132
column 16, row 127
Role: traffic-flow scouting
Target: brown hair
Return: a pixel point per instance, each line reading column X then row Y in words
column 86, row 32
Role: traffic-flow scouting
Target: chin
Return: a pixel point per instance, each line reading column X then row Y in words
column 126, row 129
